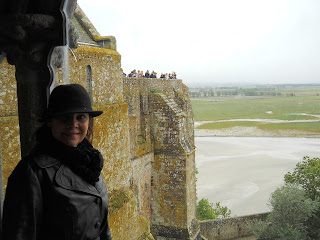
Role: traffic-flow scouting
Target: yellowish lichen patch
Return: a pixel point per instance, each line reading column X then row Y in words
column 95, row 50
column 117, row 198
column 10, row 145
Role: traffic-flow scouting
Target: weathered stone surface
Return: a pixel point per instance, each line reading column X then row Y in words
column 8, row 93
column 10, row 144
column 146, row 139
column 174, row 198
column 230, row 228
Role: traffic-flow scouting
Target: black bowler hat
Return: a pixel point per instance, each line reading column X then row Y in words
column 70, row 98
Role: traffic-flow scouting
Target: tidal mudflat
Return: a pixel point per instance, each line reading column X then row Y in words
column 242, row 172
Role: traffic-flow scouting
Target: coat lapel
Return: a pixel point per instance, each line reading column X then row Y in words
column 67, row 179
column 45, row 161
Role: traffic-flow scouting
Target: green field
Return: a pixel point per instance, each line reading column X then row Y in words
column 285, row 108
column 282, row 108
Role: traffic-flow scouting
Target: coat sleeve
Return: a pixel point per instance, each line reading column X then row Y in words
column 106, row 234
column 22, row 207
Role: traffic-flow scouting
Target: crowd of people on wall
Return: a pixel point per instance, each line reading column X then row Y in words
column 139, row 74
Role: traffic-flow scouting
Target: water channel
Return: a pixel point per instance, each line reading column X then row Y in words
column 242, row 172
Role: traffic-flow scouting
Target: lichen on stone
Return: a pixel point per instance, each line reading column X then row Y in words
column 117, row 198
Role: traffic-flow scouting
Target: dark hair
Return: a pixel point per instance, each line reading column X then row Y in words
column 89, row 135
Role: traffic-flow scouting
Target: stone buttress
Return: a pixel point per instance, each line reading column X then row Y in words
column 174, row 187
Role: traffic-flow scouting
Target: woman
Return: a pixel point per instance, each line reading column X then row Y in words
column 57, row 192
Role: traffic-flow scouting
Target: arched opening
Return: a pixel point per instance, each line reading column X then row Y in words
column 89, row 80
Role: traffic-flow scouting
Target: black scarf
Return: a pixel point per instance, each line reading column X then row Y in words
column 83, row 160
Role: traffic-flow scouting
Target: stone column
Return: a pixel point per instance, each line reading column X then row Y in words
column 30, row 30
column 33, row 90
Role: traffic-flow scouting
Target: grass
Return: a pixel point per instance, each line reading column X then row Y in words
column 310, row 126
column 297, row 117
column 282, row 108
column 221, row 125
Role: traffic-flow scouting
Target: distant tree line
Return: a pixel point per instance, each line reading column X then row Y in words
column 235, row 91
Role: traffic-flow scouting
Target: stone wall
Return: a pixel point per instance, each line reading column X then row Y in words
column 141, row 180
column 8, row 93
column 111, row 133
column 9, row 127
column 145, row 136
column 161, row 122
column 100, row 67
column 9, row 122
column 230, row 228
column 124, row 137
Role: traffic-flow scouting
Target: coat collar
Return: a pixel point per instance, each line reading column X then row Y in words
column 45, row 161
column 67, row 179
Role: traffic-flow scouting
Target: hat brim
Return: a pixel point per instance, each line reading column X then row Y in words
column 90, row 112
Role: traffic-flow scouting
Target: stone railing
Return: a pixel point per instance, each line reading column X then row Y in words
column 230, row 228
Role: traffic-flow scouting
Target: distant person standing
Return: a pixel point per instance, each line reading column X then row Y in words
column 174, row 75
column 153, row 74
column 147, row 74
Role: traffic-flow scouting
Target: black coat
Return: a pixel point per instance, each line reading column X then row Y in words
column 45, row 200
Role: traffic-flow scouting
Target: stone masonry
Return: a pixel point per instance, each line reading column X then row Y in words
column 145, row 136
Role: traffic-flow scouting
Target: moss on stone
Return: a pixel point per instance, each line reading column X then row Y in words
column 146, row 236
column 103, row 51
column 117, row 198
column 155, row 90
column 141, row 140
column 150, row 237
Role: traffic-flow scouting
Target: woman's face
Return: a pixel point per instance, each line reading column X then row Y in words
column 70, row 129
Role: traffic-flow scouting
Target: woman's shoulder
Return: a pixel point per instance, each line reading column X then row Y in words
column 40, row 158
column 36, row 159
column 33, row 164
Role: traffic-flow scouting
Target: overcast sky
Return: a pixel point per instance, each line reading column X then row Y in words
column 216, row 41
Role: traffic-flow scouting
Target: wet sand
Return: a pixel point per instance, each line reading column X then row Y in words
column 242, row 172
column 253, row 132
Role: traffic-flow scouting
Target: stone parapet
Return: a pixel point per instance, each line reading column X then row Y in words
column 230, row 228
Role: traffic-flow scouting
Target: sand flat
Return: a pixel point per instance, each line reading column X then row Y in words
column 242, row 172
